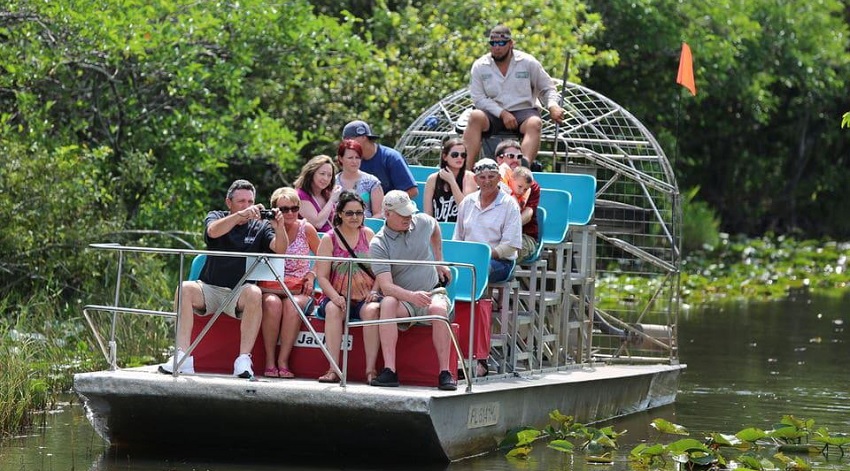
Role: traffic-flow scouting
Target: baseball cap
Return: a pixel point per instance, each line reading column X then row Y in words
column 485, row 165
column 399, row 201
column 357, row 128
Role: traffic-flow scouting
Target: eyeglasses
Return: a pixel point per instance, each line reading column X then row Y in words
column 499, row 43
column 288, row 209
column 349, row 213
column 511, row 156
column 455, row 155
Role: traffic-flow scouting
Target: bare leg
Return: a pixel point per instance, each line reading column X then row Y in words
column 272, row 307
column 477, row 124
column 289, row 330
column 391, row 308
column 531, row 129
column 193, row 298
column 333, row 330
column 250, row 302
column 440, row 336
column 371, row 336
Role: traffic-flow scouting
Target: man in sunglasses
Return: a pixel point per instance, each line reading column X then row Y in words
column 506, row 85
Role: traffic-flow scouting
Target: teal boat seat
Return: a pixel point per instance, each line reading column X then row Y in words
column 581, row 187
column 542, row 220
column 557, row 204
column 422, row 172
column 476, row 253
column 197, row 266
column 447, row 229
column 418, row 199
column 374, row 223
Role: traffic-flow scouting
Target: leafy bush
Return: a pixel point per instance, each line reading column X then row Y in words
column 700, row 224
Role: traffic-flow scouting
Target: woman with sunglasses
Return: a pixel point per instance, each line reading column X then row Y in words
column 349, row 156
column 445, row 189
column 316, row 187
column 280, row 315
column 348, row 239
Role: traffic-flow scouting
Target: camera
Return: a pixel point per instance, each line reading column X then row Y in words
column 266, row 214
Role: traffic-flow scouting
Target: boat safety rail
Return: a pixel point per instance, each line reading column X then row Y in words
column 254, row 262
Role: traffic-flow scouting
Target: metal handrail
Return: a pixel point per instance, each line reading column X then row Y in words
column 110, row 353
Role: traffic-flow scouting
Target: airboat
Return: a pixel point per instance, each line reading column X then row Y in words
column 587, row 326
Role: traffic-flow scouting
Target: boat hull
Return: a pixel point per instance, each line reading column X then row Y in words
column 141, row 409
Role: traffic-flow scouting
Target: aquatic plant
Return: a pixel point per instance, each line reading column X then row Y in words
column 746, row 449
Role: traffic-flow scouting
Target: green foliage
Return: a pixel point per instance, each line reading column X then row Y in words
column 700, row 224
column 760, row 137
column 845, row 120
column 743, row 450
column 766, row 268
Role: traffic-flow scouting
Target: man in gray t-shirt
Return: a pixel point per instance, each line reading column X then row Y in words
column 410, row 290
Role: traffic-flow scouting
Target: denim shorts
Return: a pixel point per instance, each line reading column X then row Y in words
column 353, row 310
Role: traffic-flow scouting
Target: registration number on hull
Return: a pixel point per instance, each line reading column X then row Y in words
column 483, row 415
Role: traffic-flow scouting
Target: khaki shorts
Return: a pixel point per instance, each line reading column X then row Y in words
column 415, row 311
column 214, row 298
column 529, row 246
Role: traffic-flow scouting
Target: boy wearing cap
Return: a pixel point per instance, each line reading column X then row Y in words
column 383, row 162
column 506, row 85
column 410, row 290
column 491, row 216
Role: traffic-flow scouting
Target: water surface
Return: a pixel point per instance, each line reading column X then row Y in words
column 748, row 365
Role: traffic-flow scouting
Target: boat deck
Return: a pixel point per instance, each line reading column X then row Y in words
column 141, row 408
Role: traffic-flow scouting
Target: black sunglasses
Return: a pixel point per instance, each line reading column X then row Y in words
column 499, row 43
column 457, row 154
column 288, row 209
column 350, row 213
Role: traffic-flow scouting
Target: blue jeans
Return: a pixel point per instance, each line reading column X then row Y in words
column 500, row 270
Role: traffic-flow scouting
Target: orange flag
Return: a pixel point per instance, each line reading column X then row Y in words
column 685, row 77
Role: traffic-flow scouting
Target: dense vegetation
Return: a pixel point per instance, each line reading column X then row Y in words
column 118, row 119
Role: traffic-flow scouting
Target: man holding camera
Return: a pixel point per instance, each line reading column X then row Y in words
column 243, row 228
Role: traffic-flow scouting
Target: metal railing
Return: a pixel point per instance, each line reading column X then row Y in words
column 109, row 348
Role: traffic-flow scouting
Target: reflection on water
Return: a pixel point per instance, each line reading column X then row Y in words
column 748, row 365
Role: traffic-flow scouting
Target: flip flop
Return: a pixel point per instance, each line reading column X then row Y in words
column 285, row 373
column 329, row 377
column 272, row 372
column 370, row 375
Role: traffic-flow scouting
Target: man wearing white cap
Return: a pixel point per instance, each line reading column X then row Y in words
column 383, row 162
column 410, row 290
column 491, row 216
column 506, row 85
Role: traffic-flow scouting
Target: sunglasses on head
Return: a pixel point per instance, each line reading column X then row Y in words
column 457, row 154
column 511, row 156
column 351, row 213
column 499, row 43
column 288, row 209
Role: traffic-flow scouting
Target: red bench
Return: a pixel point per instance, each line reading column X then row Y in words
column 417, row 361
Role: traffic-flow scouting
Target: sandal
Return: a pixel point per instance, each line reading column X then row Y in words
column 272, row 372
column 370, row 375
column 285, row 373
column 329, row 377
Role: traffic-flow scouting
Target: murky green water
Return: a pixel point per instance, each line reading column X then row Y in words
column 748, row 365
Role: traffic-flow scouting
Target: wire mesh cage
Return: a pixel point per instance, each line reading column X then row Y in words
column 637, row 212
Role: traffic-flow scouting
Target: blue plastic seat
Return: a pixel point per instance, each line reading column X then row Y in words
column 374, row 223
column 422, row 172
column 557, row 204
column 420, row 196
column 541, row 228
column 197, row 266
column 581, row 187
column 476, row 253
column 447, row 229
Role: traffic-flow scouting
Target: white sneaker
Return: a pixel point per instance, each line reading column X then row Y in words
column 188, row 366
column 242, row 366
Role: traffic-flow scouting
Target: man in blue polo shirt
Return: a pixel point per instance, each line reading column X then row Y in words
column 383, row 162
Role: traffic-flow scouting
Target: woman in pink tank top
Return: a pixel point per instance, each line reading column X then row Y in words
column 334, row 280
